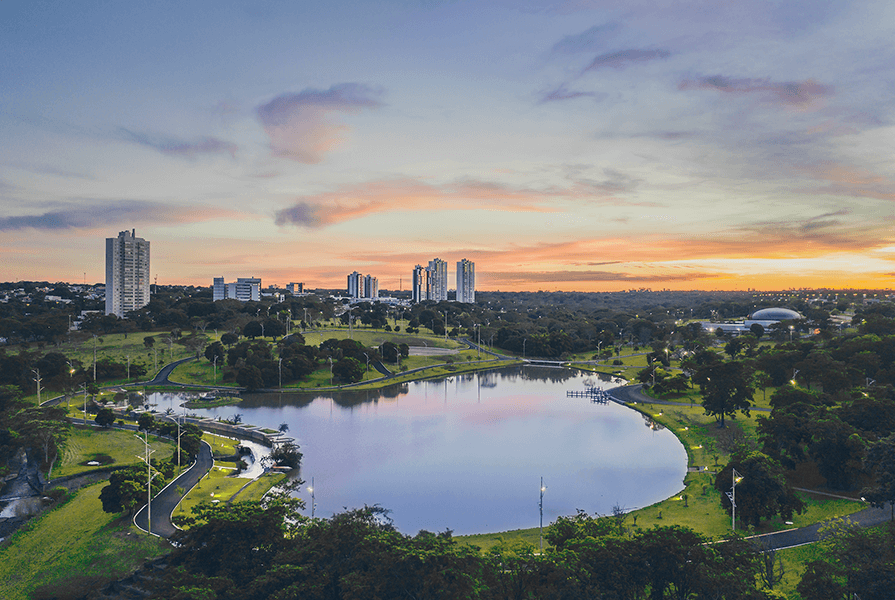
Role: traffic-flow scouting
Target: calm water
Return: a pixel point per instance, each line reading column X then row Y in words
column 467, row 452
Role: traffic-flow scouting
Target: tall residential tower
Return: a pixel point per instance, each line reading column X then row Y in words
column 438, row 280
column 466, row 281
column 127, row 273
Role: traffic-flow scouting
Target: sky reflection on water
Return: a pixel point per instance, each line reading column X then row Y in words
column 466, row 453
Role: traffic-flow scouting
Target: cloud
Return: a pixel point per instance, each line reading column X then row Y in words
column 301, row 127
column 177, row 147
column 795, row 93
column 584, row 276
column 563, row 93
column 586, row 41
column 353, row 202
column 104, row 213
column 623, row 58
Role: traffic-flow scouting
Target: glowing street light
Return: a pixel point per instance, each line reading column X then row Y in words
column 313, row 502
column 732, row 495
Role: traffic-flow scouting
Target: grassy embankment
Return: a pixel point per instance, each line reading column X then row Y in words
column 74, row 546
column 109, row 447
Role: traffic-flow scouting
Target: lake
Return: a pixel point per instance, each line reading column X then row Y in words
column 467, row 452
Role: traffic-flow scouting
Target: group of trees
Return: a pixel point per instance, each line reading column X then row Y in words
column 270, row 552
column 25, row 426
column 253, row 364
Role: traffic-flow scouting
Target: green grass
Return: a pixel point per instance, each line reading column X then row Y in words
column 72, row 544
column 216, row 485
column 122, row 447
column 256, row 490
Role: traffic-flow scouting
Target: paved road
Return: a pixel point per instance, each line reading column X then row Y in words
column 165, row 502
column 630, row 394
column 162, row 377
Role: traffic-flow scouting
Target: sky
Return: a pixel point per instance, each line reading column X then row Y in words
column 582, row 145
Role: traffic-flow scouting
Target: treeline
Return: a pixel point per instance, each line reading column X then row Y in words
column 254, row 365
column 247, row 550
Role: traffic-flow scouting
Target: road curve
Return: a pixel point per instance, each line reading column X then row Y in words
column 166, row 500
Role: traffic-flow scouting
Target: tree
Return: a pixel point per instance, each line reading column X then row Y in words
column 250, row 377
column 228, row 339
column 126, row 490
column 726, row 388
column 216, row 350
column 149, row 342
column 105, row 417
column 757, row 330
column 146, row 422
column 286, row 454
column 349, row 370
column 253, row 329
column 880, row 461
column 762, row 493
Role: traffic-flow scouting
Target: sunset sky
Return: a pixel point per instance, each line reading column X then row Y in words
column 560, row 145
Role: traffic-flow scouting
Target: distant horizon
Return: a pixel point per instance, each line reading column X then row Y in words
column 541, row 291
column 588, row 146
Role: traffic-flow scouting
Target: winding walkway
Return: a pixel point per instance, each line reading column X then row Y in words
column 166, row 501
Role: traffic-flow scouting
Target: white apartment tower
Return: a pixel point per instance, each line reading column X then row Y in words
column 466, row 281
column 371, row 287
column 438, row 280
column 420, row 289
column 127, row 273
column 355, row 285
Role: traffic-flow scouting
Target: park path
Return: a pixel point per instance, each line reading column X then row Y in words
column 166, row 501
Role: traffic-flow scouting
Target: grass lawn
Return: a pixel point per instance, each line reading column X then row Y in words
column 256, row 490
column 72, row 545
column 107, row 446
column 118, row 347
column 216, row 485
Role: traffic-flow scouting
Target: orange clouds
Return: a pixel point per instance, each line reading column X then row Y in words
column 406, row 195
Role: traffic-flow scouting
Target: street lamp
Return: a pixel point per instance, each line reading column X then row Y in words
column 280, row 369
column 37, row 379
column 732, row 496
column 313, row 502
column 149, row 477
column 541, row 509
column 794, row 373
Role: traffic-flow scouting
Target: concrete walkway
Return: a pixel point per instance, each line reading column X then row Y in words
column 166, row 501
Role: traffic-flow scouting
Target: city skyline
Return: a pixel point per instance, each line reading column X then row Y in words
column 576, row 145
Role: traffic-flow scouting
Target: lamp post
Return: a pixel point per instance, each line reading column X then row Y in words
column 541, row 509
column 37, row 380
column 524, row 340
column 794, row 373
column 368, row 361
column 94, row 357
column 732, row 496
column 149, row 477
column 71, row 373
column 280, row 369
column 313, row 500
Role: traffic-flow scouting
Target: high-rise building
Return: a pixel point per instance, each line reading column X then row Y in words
column 295, row 288
column 243, row 289
column 438, row 280
column 420, row 289
column 466, row 281
column 355, row 285
column 127, row 273
column 371, row 287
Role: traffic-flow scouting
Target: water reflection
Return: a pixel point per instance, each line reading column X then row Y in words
column 466, row 452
